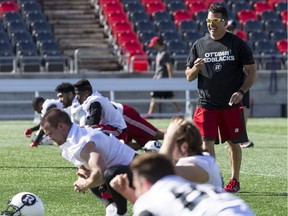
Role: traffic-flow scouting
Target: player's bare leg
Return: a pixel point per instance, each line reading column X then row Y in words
column 209, row 146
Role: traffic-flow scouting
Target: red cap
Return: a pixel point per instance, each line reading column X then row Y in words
column 153, row 41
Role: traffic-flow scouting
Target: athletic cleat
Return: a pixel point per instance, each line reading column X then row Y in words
column 247, row 144
column 233, row 186
column 111, row 210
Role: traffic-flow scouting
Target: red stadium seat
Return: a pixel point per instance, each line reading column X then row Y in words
column 189, row 1
column 152, row 7
column 261, row 6
column 242, row 34
column 126, row 36
column 196, row 6
column 274, row 2
column 138, row 61
column 116, row 16
column 131, row 46
column 208, row 2
column 110, row 7
column 284, row 17
column 282, row 45
column 149, row 1
column 120, row 27
column 8, row 6
column 245, row 15
column 181, row 15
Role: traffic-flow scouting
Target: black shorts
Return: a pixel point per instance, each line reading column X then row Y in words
column 162, row 94
column 246, row 100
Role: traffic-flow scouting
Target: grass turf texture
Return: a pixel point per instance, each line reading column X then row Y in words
column 44, row 172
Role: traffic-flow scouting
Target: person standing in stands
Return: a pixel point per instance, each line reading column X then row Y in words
column 232, row 28
column 217, row 60
column 164, row 69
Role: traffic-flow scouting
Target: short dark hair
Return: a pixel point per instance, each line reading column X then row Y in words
column 54, row 117
column 36, row 101
column 152, row 166
column 65, row 87
column 215, row 8
column 83, row 85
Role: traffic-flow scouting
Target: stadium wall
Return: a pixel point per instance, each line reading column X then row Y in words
column 268, row 96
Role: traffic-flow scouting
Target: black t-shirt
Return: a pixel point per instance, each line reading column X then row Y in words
column 222, row 74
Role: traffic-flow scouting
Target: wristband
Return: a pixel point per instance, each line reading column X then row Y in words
column 241, row 92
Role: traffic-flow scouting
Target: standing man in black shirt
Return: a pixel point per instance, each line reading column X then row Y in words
column 217, row 60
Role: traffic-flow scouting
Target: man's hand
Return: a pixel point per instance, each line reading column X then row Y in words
column 33, row 144
column 81, row 185
column 28, row 132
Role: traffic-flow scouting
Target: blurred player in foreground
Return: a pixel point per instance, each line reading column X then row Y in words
column 159, row 191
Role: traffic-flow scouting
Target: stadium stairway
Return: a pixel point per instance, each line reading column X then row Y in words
column 76, row 26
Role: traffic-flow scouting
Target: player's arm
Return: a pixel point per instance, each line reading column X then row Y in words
column 94, row 113
column 96, row 165
column 250, row 78
column 170, row 138
column 120, row 183
column 192, row 73
column 193, row 173
column 169, row 69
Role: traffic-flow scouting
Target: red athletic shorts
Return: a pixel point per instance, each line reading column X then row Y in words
column 230, row 123
column 118, row 133
column 137, row 127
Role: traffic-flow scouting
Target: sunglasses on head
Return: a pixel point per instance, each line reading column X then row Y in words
column 215, row 20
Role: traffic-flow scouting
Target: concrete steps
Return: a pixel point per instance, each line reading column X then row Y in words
column 76, row 26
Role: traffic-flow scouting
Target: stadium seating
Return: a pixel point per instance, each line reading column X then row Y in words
column 254, row 36
column 194, row 7
column 152, row 7
column 273, row 25
column 144, row 25
column 264, row 46
column 187, row 25
column 252, row 25
column 15, row 26
column 278, row 35
column 6, row 56
column 135, row 16
column 161, row 15
column 282, row 45
column 280, row 6
column 146, row 36
column 239, row 6
column 245, row 15
column 11, row 16
column 262, row 6
column 191, row 36
column 174, row 6
column 267, row 15
column 181, row 15
column 165, row 25
column 8, row 6
column 170, row 35
column 208, row 2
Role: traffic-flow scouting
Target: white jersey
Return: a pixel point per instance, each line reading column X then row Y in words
column 48, row 103
column 173, row 195
column 119, row 106
column 77, row 115
column 110, row 114
column 207, row 163
column 110, row 148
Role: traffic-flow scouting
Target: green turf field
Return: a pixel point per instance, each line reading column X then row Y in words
column 44, row 172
